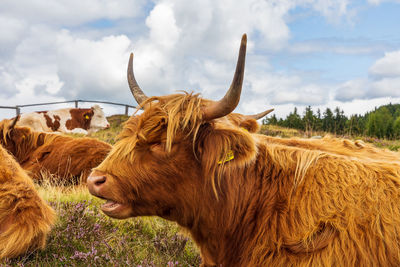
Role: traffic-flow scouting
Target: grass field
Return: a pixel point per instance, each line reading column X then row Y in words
column 84, row 236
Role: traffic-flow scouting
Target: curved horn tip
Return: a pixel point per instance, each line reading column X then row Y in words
column 244, row 38
column 261, row 114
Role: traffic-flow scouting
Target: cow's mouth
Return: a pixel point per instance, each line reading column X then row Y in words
column 116, row 210
column 110, row 205
column 120, row 209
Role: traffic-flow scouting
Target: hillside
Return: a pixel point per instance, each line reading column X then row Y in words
column 382, row 122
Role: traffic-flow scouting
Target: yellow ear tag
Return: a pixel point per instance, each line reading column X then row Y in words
column 228, row 157
column 87, row 117
column 244, row 129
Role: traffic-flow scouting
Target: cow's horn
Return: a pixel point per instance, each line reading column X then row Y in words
column 261, row 114
column 231, row 99
column 133, row 85
column 14, row 122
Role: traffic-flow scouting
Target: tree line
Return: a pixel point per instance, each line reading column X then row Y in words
column 383, row 122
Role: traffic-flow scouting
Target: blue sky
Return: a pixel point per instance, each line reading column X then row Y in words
column 372, row 27
column 322, row 53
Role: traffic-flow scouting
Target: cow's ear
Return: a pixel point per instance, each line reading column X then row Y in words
column 87, row 115
column 40, row 139
column 250, row 125
column 219, row 146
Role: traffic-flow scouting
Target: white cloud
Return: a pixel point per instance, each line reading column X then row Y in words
column 279, row 89
column 378, row 2
column 35, row 53
column 388, row 66
column 12, row 31
column 92, row 68
column 309, row 94
column 163, row 30
column 353, row 89
column 70, row 12
column 332, row 9
column 386, row 87
column 384, row 81
column 7, row 83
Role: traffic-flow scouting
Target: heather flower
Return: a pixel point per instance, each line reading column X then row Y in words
column 83, row 236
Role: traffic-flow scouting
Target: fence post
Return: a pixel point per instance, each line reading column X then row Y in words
column 18, row 111
column 76, row 103
column 126, row 110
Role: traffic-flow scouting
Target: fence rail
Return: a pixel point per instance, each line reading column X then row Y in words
column 18, row 107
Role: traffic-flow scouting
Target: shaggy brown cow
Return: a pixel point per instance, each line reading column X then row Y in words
column 25, row 218
column 249, row 200
column 42, row 153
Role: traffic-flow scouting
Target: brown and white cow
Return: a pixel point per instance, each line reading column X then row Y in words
column 42, row 153
column 67, row 120
column 248, row 200
column 25, row 218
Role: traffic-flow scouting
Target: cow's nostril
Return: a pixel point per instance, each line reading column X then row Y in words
column 97, row 180
column 101, row 180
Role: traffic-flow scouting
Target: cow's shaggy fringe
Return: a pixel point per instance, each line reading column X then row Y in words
column 25, row 219
column 293, row 202
column 66, row 157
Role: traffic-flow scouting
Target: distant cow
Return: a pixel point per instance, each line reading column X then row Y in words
column 67, row 120
column 25, row 218
column 249, row 200
column 49, row 153
column 344, row 147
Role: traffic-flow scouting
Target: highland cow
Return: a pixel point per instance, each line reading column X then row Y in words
column 249, row 200
column 67, row 158
column 25, row 218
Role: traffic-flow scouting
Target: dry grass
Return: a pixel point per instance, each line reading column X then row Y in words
column 275, row 130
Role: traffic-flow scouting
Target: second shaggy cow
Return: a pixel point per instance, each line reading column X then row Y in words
column 45, row 153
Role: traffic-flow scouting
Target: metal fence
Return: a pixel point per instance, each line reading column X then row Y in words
column 18, row 107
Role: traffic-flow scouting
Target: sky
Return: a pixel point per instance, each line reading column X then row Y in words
column 318, row 53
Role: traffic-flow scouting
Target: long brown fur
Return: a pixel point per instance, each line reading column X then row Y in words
column 278, row 202
column 42, row 153
column 25, row 218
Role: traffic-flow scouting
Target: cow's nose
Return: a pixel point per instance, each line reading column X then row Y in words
column 108, row 126
column 97, row 180
column 94, row 183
